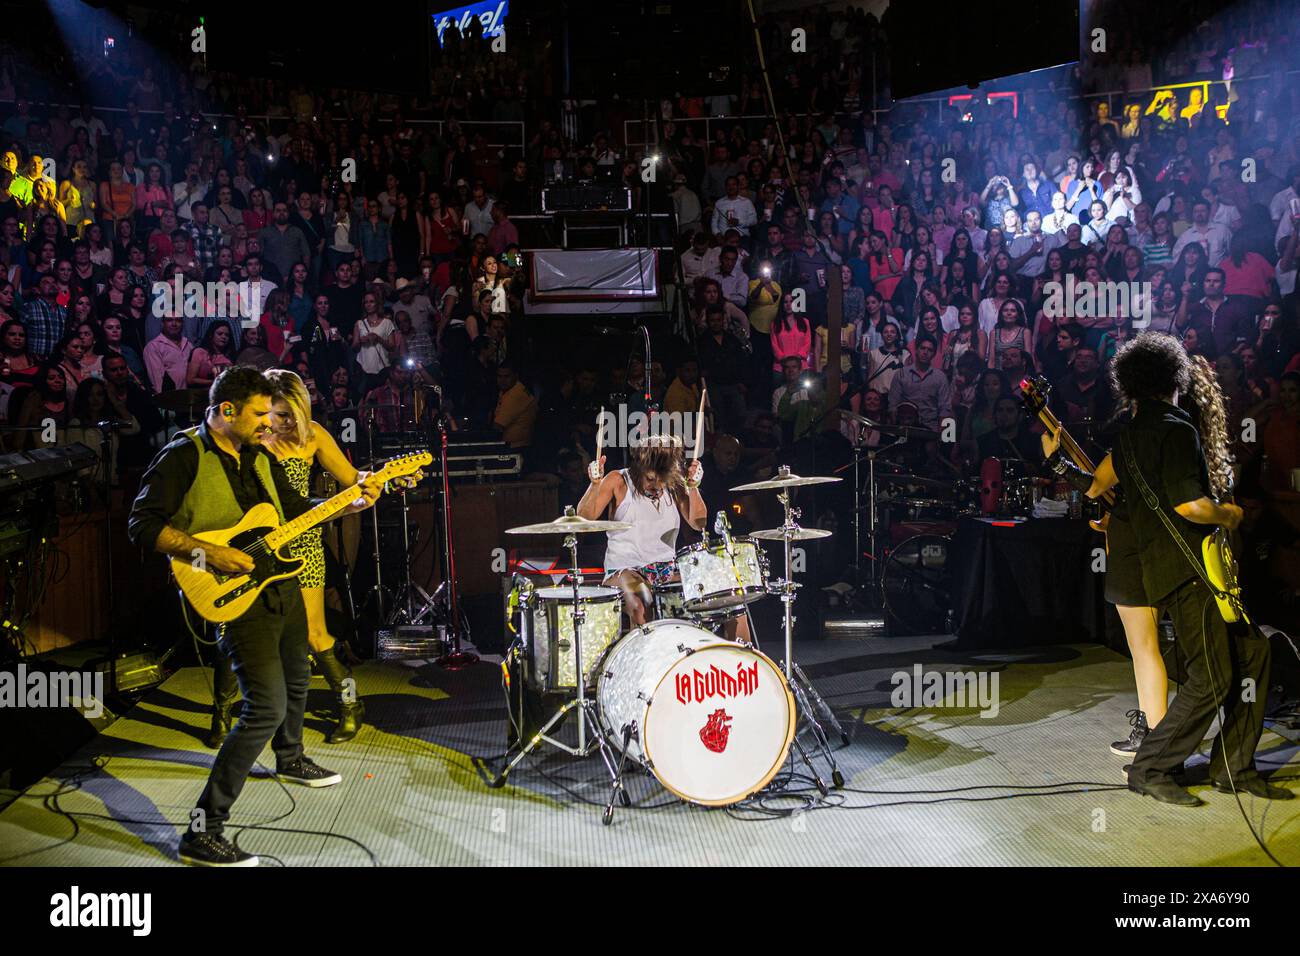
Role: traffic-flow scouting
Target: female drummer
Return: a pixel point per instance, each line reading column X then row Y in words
column 654, row 494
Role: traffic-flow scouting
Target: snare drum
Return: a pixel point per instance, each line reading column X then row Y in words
column 712, row 581
column 668, row 601
column 547, row 633
column 711, row 719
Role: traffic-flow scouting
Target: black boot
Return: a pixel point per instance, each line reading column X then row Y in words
column 351, row 711
column 225, row 689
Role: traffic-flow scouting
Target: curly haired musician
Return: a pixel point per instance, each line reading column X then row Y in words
column 206, row 479
column 1160, row 462
column 655, row 493
column 1124, row 587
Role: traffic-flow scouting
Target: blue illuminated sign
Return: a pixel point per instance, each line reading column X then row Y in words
column 491, row 13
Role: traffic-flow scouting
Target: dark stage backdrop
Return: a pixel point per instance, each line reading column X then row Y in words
column 385, row 49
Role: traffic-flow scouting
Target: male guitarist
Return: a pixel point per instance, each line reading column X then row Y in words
column 205, row 480
column 1159, row 461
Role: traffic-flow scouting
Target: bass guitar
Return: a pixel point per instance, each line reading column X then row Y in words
column 219, row 597
column 1035, row 391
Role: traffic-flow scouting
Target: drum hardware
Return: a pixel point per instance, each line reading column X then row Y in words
column 808, row 703
column 873, row 516
column 571, row 525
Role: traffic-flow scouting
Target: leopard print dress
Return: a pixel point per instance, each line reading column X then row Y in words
column 307, row 546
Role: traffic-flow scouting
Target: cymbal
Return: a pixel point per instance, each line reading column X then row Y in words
column 916, row 480
column 902, row 431
column 795, row 534
column 784, row 480
column 182, row 399
column 569, row 524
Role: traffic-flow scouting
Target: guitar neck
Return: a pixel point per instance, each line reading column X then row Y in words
column 309, row 519
column 1071, row 448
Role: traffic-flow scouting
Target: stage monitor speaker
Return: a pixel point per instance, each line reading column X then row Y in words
column 36, row 739
column 1026, row 35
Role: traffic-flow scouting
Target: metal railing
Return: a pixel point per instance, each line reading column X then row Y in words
column 1110, row 96
column 513, row 130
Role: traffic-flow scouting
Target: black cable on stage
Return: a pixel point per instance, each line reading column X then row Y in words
column 74, row 783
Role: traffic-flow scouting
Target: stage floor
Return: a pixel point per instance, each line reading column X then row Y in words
column 414, row 793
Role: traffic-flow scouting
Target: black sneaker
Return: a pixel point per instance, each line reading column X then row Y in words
column 1127, row 748
column 212, row 849
column 309, row 774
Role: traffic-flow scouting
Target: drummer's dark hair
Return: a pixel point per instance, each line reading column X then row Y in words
column 1152, row 365
column 664, row 455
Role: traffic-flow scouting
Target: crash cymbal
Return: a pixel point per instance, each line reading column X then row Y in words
column 860, row 419
column 182, row 399
column 794, row 534
column 902, row 431
column 784, row 479
column 569, row 524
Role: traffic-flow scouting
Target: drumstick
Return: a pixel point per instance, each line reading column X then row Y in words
column 599, row 418
column 699, row 424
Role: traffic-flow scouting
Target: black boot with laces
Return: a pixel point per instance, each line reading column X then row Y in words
column 1127, row 748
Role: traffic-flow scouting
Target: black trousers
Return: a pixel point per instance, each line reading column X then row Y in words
column 1224, row 669
column 268, row 648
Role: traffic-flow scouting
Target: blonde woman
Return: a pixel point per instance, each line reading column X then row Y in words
column 299, row 443
column 78, row 195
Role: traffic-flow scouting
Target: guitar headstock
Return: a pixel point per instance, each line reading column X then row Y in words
column 404, row 465
column 1035, row 390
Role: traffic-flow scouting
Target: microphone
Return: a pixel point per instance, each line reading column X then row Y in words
column 607, row 330
column 722, row 528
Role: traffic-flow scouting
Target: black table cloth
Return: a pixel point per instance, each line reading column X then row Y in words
column 1028, row 583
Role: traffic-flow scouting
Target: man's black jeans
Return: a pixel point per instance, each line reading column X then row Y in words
column 268, row 647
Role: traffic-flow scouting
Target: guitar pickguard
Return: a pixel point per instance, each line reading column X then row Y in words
column 267, row 565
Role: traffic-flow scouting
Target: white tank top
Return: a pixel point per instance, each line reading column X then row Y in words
column 653, row 535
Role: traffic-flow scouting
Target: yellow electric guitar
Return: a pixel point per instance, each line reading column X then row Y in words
column 219, row 597
column 1221, row 569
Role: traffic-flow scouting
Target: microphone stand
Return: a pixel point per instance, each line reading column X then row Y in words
column 374, row 519
column 455, row 658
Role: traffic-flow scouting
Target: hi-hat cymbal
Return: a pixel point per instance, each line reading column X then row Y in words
column 569, row 524
column 784, row 479
column 794, row 534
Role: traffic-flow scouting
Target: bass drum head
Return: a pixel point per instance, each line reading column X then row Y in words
column 719, row 718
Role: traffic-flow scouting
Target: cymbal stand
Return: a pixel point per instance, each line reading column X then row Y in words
column 411, row 604
column 808, row 703
column 873, row 515
column 589, row 736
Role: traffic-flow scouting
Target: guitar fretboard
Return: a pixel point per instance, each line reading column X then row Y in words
column 309, row 519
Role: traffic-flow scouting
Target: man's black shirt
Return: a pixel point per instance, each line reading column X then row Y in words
column 345, row 307
column 1167, row 449
column 169, row 478
column 722, row 363
column 1023, row 447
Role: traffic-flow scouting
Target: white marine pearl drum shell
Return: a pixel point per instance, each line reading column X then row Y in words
column 711, row 581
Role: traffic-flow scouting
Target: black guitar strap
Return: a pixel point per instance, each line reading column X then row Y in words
column 1153, row 502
